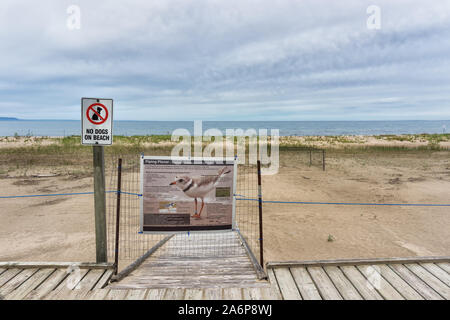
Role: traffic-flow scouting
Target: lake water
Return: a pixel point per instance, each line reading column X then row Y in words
column 54, row 128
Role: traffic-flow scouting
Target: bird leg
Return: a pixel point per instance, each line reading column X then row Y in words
column 195, row 212
column 201, row 209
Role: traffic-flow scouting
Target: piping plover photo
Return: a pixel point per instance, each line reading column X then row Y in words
column 198, row 187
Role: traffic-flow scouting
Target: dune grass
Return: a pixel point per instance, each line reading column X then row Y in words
column 68, row 152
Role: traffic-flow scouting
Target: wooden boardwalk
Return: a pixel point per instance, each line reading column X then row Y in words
column 37, row 281
column 196, row 261
column 376, row 279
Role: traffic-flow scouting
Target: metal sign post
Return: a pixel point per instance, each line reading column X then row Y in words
column 119, row 189
column 261, row 243
column 96, row 130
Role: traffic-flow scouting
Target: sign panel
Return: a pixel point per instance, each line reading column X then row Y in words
column 96, row 119
column 187, row 194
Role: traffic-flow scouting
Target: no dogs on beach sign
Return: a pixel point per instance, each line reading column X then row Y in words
column 96, row 119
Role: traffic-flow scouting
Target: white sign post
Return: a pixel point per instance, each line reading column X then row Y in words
column 96, row 119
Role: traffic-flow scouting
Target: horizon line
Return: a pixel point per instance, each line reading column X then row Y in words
column 356, row 120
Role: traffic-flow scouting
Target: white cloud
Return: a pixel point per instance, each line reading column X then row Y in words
column 236, row 60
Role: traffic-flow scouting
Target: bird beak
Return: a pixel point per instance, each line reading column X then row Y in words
column 172, row 183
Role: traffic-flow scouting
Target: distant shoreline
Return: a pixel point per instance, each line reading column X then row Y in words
column 57, row 128
column 190, row 121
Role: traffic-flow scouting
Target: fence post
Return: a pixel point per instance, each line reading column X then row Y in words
column 119, row 189
column 261, row 246
column 310, row 157
column 100, row 204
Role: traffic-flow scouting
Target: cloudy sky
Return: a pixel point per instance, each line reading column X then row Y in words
column 226, row 59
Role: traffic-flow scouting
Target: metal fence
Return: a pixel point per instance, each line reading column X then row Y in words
column 133, row 244
column 311, row 156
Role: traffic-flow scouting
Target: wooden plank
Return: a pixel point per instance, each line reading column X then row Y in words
column 116, row 294
column 98, row 294
column 217, row 247
column 64, row 288
column 364, row 287
column 82, row 289
column 189, row 283
column 258, row 268
column 191, row 267
column 31, row 284
column 430, row 279
column 273, row 292
column 48, row 285
column 205, row 270
column 193, row 294
column 177, row 261
column 205, row 273
column 192, row 260
column 2, row 270
column 373, row 275
column 204, row 253
column 323, row 283
column 174, row 294
column 232, row 294
column 287, row 284
column 161, row 264
column 305, row 284
column 55, row 265
column 16, row 281
column 218, row 278
column 444, row 266
column 136, row 294
column 415, row 282
column 354, row 262
column 90, row 280
column 251, row 294
column 342, row 284
column 76, row 294
column 439, row 273
column 213, row 294
column 399, row 284
column 156, row 294
column 140, row 260
column 8, row 275
column 104, row 279
column 187, row 253
column 270, row 294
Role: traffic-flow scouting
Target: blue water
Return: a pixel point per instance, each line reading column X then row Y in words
column 54, row 128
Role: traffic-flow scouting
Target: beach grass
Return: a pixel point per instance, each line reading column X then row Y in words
column 18, row 154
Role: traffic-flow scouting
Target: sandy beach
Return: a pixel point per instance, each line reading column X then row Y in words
column 402, row 169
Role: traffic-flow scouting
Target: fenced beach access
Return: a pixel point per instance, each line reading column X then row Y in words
column 191, row 246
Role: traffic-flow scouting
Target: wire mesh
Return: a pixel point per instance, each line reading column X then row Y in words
column 247, row 214
column 183, row 245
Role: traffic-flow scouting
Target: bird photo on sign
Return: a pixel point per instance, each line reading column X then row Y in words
column 199, row 187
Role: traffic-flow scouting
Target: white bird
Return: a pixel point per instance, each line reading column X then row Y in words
column 198, row 187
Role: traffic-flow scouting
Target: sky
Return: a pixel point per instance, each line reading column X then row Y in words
column 227, row 59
